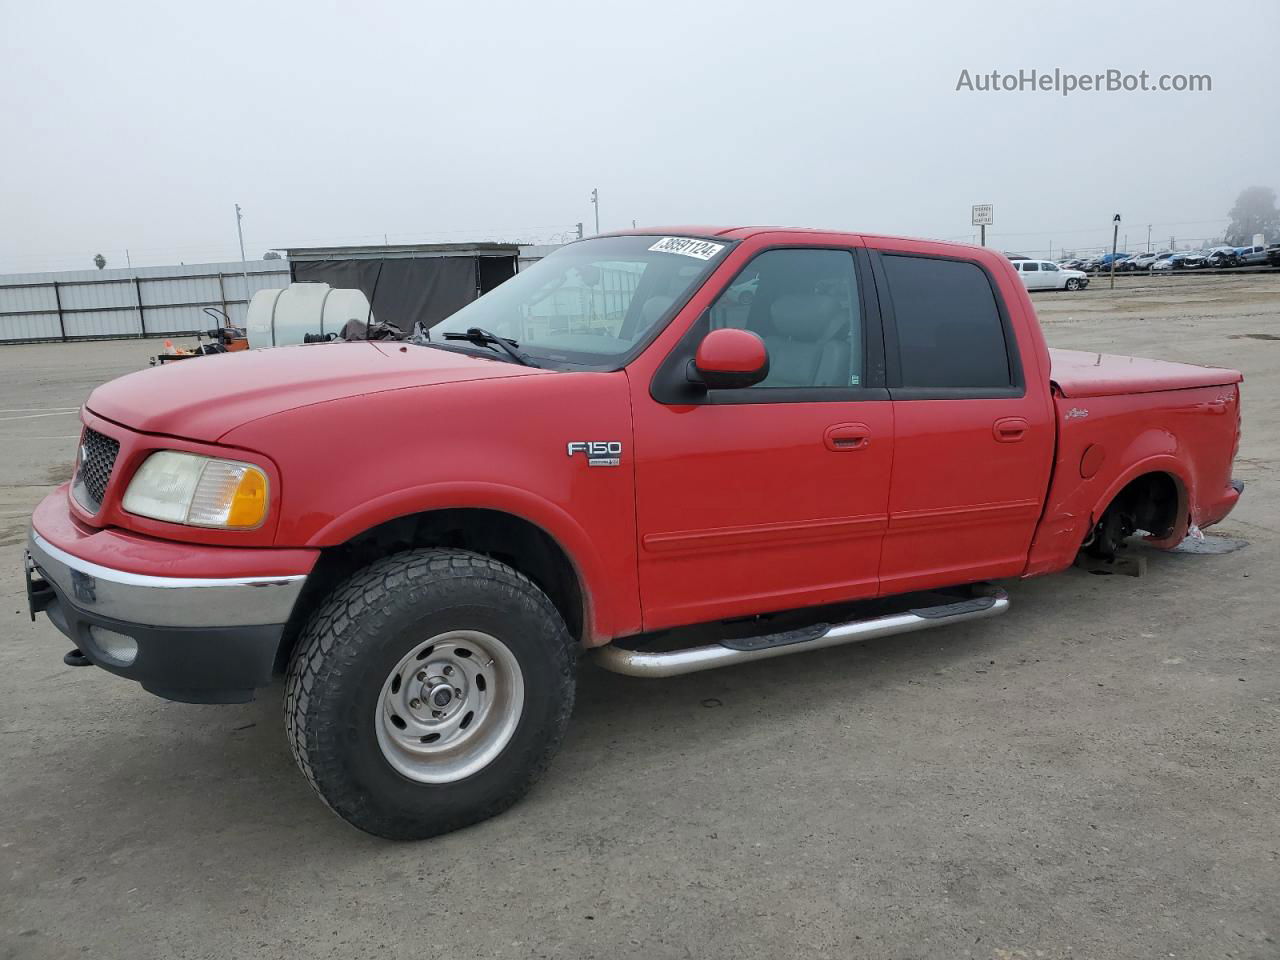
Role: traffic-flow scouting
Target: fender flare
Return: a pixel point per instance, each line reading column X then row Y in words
column 553, row 520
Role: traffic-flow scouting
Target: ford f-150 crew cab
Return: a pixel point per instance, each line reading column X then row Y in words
column 675, row 449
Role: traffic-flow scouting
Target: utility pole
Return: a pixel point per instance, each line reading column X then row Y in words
column 595, row 200
column 1148, row 238
column 1115, row 237
column 244, row 268
column 126, row 258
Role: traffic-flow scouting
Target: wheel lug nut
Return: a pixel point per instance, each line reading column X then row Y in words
column 415, row 703
column 422, row 675
column 457, row 691
column 447, row 671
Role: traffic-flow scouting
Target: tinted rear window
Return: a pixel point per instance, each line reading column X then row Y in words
column 948, row 324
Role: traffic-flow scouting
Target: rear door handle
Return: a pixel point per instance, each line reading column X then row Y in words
column 843, row 437
column 1009, row 429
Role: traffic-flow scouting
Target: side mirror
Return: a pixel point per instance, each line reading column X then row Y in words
column 729, row 359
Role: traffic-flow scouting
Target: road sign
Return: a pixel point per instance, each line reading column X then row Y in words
column 982, row 214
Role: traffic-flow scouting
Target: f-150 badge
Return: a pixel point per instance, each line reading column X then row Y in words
column 599, row 453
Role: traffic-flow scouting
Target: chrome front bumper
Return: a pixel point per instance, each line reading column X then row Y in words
column 164, row 601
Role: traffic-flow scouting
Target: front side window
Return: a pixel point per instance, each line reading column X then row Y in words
column 948, row 324
column 804, row 304
column 1051, row 267
column 591, row 303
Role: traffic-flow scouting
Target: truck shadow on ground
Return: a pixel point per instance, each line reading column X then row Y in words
column 220, row 767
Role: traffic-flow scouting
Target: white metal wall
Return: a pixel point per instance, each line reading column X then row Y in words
column 146, row 301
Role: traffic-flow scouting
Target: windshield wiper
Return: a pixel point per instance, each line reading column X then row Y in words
column 484, row 338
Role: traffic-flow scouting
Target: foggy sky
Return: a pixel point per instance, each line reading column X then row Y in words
column 140, row 125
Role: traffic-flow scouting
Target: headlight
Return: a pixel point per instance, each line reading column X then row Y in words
column 198, row 491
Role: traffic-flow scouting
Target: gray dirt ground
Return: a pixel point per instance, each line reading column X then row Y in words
column 1092, row 776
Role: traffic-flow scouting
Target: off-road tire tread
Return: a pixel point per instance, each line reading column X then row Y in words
column 327, row 649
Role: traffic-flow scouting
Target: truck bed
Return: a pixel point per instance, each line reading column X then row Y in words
column 1077, row 373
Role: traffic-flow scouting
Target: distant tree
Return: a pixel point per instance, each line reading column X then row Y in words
column 271, row 255
column 1255, row 212
column 99, row 261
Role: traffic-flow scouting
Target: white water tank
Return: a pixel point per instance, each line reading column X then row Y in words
column 277, row 318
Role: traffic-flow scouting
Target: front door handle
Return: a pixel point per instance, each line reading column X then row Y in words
column 1009, row 429
column 843, row 437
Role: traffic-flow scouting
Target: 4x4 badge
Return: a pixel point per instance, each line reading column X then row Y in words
column 599, row 453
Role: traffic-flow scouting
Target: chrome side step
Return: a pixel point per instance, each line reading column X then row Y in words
column 638, row 663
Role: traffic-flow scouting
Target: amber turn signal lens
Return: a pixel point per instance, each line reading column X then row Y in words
column 249, row 502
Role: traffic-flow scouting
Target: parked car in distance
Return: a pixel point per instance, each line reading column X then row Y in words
column 1185, row 260
column 1047, row 275
column 1144, row 261
column 425, row 536
column 1102, row 262
column 1258, row 256
column 1072, row 263
column 1222, row 256
column 1250, row 255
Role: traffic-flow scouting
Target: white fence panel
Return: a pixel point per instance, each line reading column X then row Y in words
column 103, row 323
column 165, row 320
column 27, row 299
column 105, row 303
column 31, row 326
column 164, row 293
column 89, row 296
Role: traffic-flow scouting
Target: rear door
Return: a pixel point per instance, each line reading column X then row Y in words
column 1031, row 275
column 973, row 442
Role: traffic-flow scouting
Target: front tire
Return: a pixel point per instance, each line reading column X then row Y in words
column 1073, row 283
column 429, row 692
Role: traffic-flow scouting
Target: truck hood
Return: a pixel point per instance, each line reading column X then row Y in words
column 1080, row 374
column 204, row 397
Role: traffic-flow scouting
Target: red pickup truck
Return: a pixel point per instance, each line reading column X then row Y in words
column 677, row 449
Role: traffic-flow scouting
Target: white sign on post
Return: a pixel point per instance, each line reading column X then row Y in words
column 983, row 215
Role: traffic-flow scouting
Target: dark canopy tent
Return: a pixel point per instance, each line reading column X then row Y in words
column 425, row 282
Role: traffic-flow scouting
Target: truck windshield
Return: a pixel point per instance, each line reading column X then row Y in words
column 591, row 303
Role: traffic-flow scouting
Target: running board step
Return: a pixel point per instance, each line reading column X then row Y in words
column 672, row 663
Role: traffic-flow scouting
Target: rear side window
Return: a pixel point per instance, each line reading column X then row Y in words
column 948, row 324
column 1030, row 267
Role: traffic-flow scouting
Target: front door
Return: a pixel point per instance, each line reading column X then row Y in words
column 973, row 443
column 773, row 496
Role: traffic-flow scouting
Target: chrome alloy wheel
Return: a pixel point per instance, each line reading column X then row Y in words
column 449, row 707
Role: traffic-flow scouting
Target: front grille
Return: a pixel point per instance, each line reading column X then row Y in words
column 97, row 456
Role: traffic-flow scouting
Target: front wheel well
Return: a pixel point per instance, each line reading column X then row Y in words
column 509, row 539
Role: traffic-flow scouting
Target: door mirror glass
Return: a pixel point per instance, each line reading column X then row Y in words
column 729, row 359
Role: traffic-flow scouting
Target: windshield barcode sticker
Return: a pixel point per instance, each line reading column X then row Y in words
column 700, row 249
